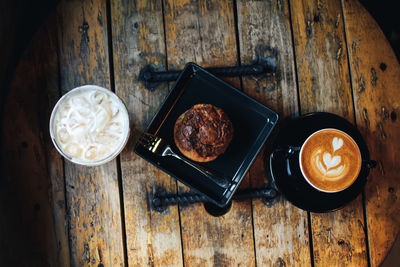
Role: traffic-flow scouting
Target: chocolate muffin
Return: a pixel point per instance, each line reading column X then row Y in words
column 203, row 132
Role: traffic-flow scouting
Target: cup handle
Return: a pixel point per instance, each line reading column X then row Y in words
column 289, row 151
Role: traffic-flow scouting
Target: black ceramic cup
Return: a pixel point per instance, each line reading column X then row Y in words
column 284, row 170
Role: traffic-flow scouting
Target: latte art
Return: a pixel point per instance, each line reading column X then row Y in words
column 337, row 143
column 330, row 166
column 330, row 160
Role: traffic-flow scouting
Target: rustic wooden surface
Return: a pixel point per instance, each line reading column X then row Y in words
column 376, row 83
column 92, row 193
column 209, row 28
column 152, row 238
column 281, row 232
column 331, row 57
column 38, row 191
column 324, row 85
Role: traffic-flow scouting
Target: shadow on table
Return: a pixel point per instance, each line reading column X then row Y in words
column 385, row 13
column 393, row 259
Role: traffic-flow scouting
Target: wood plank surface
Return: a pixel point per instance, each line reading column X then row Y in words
column 376, row 87
column 86, row 220
column 92, row 193
column 35, row 182
column 280, row 229
column 204, row 32
column 324, row 84
column 153, row 237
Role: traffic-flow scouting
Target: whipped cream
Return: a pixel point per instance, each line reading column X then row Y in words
column 89, row 125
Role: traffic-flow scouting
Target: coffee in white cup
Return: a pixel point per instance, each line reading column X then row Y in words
column 89, row 125
column 330, row 160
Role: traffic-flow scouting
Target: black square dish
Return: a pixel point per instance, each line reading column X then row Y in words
column 252, row 122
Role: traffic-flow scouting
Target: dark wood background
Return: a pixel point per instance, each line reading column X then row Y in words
column 19, row 21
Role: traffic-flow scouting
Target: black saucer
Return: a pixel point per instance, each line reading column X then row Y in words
column 285, row 171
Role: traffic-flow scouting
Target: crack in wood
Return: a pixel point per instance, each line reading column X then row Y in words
column 381, row 130
column 361, row 82
column 100, row 18
column 308, row 28
column 86, row 253
column 339, row 52
column 365, row 117
column 374, row 77
column 347, row 245
column 140, row 100
column 384, row 113
column 381, row 169
column 337, row 22
column 362, row 227
column 280, row 262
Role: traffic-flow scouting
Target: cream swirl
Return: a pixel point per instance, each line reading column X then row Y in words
column 89, row 125
column 330, row 166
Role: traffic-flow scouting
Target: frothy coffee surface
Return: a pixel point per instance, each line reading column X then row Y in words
column 90, row 125
column 330, row 160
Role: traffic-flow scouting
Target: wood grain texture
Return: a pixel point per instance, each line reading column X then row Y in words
column 55, row 164
column 92, row 193
column 204, row 32
column 280, row 229
column 34, row 170
column 324, row 85
column 153, row 237
column 376, row 86
column 32, row 194
column 321, row 56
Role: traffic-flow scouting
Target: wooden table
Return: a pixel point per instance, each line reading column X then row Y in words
column 331, row 56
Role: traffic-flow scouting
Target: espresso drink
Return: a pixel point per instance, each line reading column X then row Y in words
column 330, row 160
column 89, row 125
